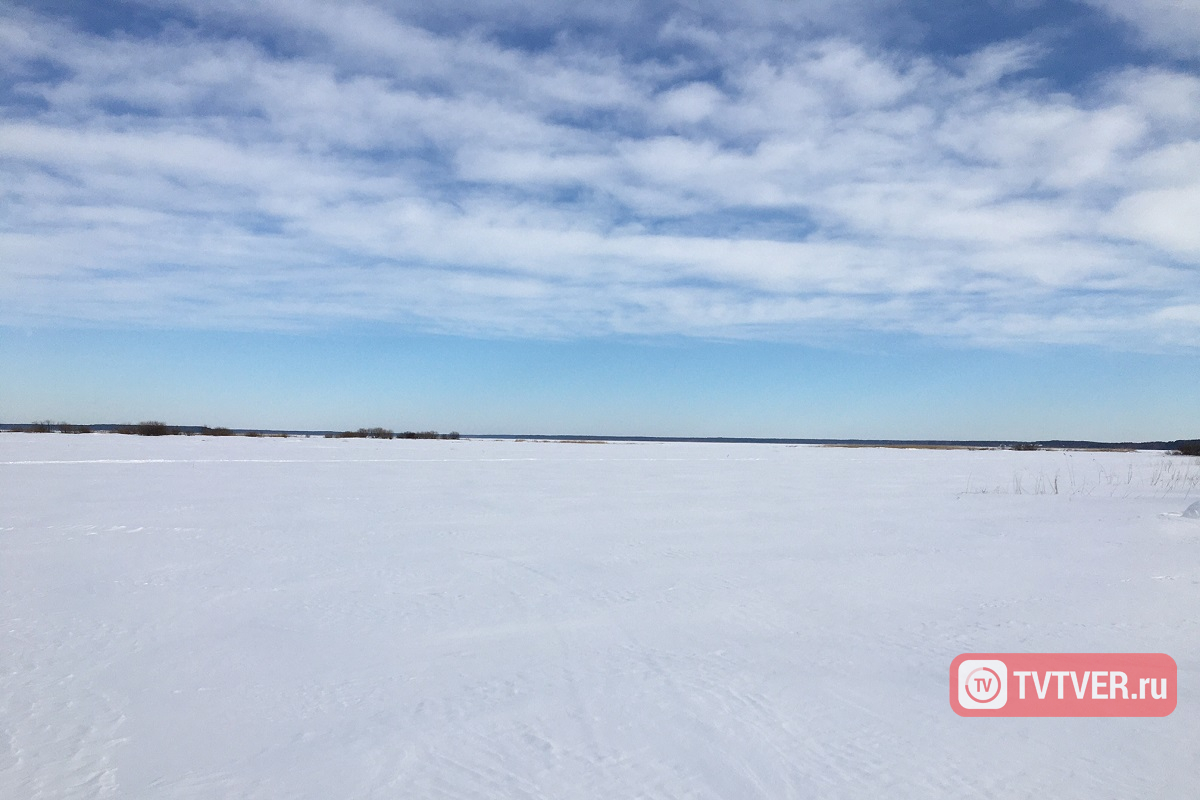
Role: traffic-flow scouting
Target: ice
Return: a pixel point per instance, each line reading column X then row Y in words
column 191, row 617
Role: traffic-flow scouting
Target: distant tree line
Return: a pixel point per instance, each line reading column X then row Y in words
column 148, row 429
column 385, row 433
column 156, row 428
column 207, row 431
column 54, row 427
column 1187, row 447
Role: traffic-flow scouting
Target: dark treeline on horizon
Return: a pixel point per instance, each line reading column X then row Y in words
column 1189, row 447
column 154, row 428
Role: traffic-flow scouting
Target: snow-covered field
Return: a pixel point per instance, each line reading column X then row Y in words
column 191, row 617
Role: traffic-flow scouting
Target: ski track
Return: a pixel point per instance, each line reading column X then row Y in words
column 191, row 618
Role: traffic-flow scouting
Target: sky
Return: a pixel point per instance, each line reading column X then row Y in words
column 853, row 219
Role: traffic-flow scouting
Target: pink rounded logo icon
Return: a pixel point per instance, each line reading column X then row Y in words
column 982, row 684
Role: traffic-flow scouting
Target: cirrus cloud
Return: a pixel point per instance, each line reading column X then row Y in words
column 295, row 164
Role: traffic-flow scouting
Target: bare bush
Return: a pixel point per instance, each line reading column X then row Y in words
column 151, row 428
column 207, row 431
column 427, row 435
column 366, row 433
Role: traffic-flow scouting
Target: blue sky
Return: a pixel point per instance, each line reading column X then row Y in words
column 873, row 218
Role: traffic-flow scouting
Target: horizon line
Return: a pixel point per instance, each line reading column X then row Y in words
column 1159, row 444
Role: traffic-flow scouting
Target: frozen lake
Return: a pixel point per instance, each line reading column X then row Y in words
column 190, row 617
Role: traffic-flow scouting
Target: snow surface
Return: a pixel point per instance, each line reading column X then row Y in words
column 191, row 617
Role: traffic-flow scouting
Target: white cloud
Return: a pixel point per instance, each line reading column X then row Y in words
column 369, row 169
column 1171, row 24
column 1168, row 218
column 690, row 103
